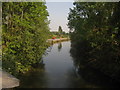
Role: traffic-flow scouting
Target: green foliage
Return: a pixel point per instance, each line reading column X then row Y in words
column 60, row 29
column 25, row 31
column 58, row 35
column 95, row 34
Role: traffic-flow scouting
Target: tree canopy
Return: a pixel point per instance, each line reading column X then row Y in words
column 95, row 34
column 25, row 31
column 60, row 29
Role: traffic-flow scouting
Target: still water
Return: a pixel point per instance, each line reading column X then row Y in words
column 58, row 71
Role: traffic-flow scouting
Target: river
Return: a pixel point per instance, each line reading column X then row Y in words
column 58, row 71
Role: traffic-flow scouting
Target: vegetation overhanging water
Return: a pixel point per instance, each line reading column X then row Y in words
column 95, row 44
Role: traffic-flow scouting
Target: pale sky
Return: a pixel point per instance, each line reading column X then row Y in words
column 58, row 13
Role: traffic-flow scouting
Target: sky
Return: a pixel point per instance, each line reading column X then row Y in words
column 58, row 13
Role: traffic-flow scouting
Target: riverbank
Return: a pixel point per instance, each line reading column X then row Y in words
column 51, row 41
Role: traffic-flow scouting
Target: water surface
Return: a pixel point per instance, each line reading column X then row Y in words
column 58, row 71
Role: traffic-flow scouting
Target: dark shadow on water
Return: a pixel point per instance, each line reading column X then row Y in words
column 36, row 78
column 91, row 75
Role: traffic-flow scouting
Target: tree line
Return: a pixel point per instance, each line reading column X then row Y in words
column 95, row 35
column 24, row 34
column 60, row 33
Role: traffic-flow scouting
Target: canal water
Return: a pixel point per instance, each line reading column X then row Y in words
column 59, row 71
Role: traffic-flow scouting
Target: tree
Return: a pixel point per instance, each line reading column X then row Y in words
column 94, row 28
column 60, row 30
column 25, row 31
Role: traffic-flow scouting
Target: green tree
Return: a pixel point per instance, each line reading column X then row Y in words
column 94, row 33
column 60, row 30
column 25, row 31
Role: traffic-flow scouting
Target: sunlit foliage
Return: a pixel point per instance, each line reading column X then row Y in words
column 24, row 34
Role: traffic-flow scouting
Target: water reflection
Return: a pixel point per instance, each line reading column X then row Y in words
column 92, row 77
column 48, row 50
column 36, row 78
column 59, row 46
column 60, row 70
